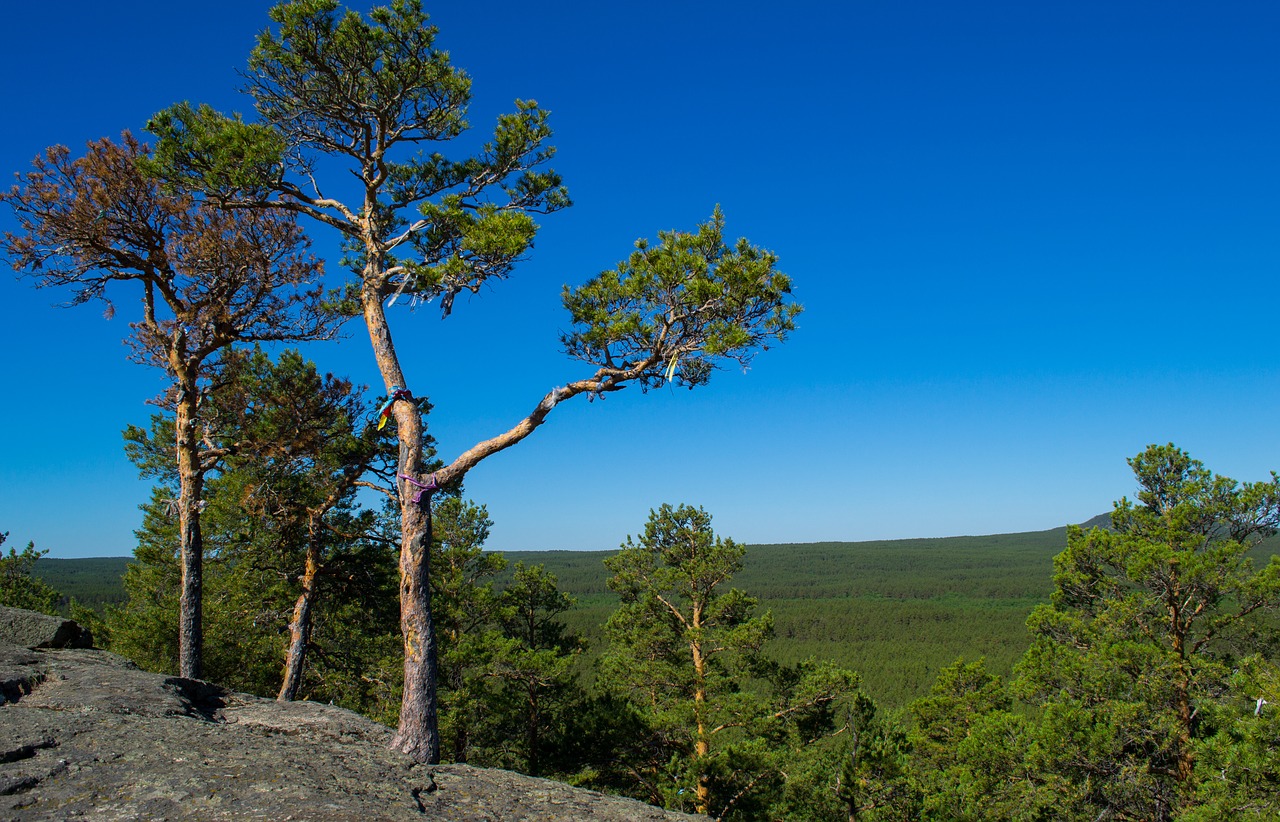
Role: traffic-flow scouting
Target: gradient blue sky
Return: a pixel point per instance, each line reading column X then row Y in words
column 1031, row 238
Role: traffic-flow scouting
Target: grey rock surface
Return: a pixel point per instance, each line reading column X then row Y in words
column 84, row 734
column 27, row 629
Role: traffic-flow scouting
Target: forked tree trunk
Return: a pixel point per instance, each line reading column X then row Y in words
column 190, row 541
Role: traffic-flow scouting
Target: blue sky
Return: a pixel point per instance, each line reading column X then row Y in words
column 1031, row 239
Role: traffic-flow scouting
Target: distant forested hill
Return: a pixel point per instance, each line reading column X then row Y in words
column 1005, row 566
column 998, row 566
column 895, row 611
column 93, row 582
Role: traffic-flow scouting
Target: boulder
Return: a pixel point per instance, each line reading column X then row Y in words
column 86, row 734
column 27, row 629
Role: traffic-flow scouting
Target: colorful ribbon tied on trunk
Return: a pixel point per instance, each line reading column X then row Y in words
column 422, row 488
column 397, row 393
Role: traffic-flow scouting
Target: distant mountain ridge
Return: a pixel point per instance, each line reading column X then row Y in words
column 1100, row 521
column 770, row 568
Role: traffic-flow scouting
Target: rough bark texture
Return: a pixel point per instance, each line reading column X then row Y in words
column 86, row 735
column 701, row 746
column 300, row 629
column 418, row 734
column 191, row 542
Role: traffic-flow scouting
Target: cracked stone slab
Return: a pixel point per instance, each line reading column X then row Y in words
column 89, row 681
column 20, row 672
column 86, row 735
column 27, row 629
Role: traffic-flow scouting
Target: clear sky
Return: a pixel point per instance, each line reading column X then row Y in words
column 1031, row 239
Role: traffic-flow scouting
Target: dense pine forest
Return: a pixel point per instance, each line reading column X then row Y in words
column 896, row 611
column 1127, row 668
column 93, row 581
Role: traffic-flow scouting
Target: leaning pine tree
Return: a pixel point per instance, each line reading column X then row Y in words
column 365, row 93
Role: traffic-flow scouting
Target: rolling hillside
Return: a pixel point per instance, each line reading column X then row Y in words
column 93, row 582
column 896, row 611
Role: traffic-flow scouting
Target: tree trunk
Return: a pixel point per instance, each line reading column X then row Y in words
column 418, row 734
column 701, row 745
column 533, row 733
column 1182, row 688
column 300, row 626
column 1186, row 754
column 190, row 542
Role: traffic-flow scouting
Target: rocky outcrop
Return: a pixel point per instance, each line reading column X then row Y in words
column 28, row 629
column 85, row 734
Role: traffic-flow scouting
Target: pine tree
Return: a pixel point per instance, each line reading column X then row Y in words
column 687, row 652
column 19, row 586
column 465, row 609
column 209, row 278
column 368, row 93
column 290, row 553
column 1147, row 621
column 536, row 665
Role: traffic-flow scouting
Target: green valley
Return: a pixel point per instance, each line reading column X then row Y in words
column 895, row 611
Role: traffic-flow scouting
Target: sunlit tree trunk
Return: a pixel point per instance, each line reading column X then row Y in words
column 190, row 542
column 418, row 734
column 701, row 745
column 299, row 636
column 300, row 626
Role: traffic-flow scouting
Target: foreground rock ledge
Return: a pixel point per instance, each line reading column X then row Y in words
column 85, row 734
